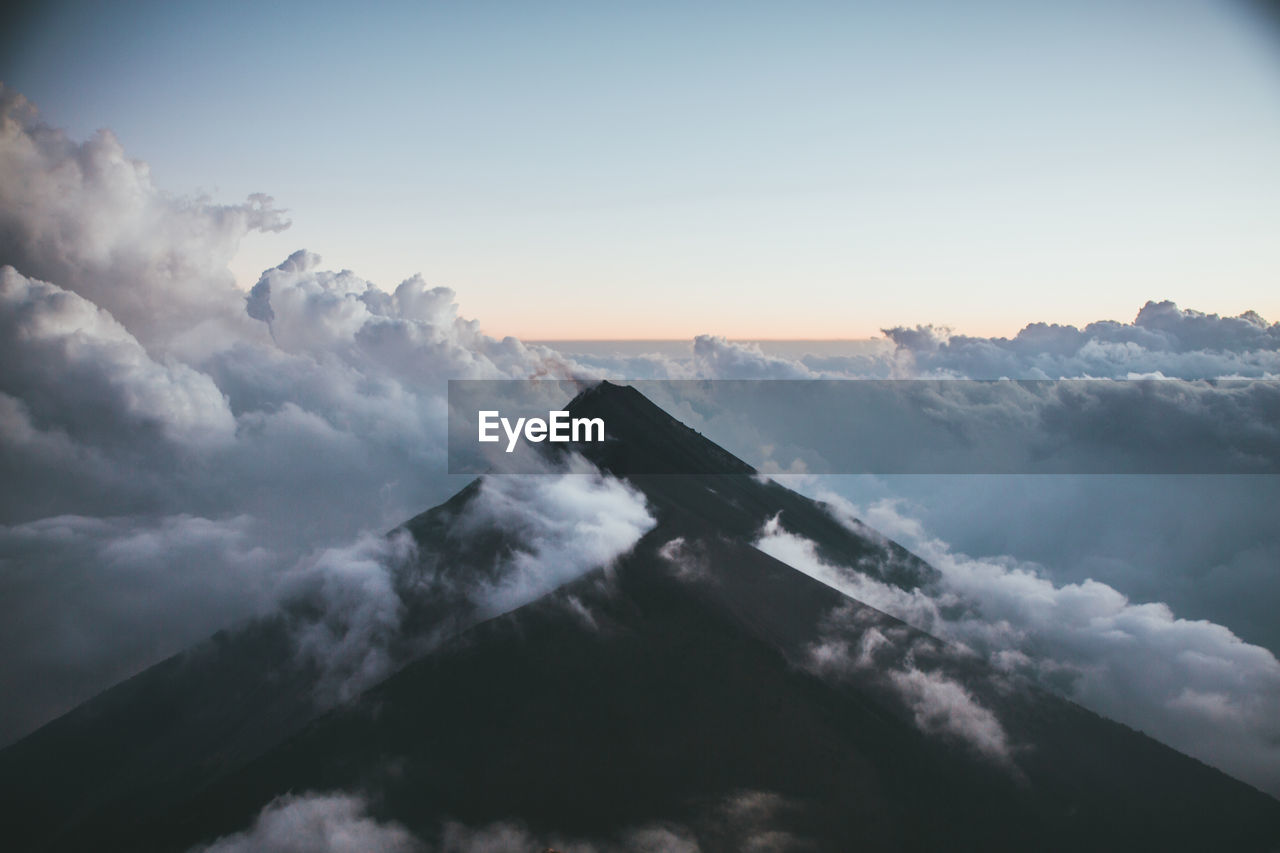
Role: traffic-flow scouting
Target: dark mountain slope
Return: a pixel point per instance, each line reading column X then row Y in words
column 659, row 690
column 687, row 477
column 649, row 695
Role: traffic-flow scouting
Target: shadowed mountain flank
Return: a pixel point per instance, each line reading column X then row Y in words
column 668, row 686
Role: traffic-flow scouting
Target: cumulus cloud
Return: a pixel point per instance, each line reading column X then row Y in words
column 87, row 217
column 72, row 366
column 1190, row 683
column 138, row 384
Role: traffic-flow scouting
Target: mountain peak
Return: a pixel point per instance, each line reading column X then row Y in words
column 641, row 438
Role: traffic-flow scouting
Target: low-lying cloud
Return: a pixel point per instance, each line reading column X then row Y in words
column 341, row 822
column 317, row 823
column 349, row 605
column 561, row 527
column 89, row 601
column 1191, row 684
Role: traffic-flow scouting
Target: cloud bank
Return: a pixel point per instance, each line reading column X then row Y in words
column 1161, row 340
column 142, row 391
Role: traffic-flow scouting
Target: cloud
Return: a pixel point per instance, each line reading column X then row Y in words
column 1162, row 339
column 72, row 365
column 1192, row 684
column 139, row 384
column 864, row 644
column 86, row 602
column 688, row 560
column 743, row 820
column 317, row 823
column 361, row 610
column 941, row 704
column 88, row 217
column 558, row 528
column 340, row 821
column 715, row 357
column 354, row 611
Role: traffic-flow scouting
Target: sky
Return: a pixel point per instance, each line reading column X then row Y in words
column 779, row 171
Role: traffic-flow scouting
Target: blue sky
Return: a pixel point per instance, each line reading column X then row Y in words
column 659, row 170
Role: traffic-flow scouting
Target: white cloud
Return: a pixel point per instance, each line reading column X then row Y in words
column 358, row 611
column 77, row 369
column 560, row 527
column 865, row 644
column 354, row 598
column 338, row 822
column 317, row 823
column 1192, row 684
column 942, row 704
column 1162, row 339
column 88, row 218
column 138, row 382
column 715, row 357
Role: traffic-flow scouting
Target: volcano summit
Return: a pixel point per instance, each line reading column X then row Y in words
column 649, row 680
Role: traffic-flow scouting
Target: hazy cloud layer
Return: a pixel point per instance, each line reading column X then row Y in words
column 88, row 601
